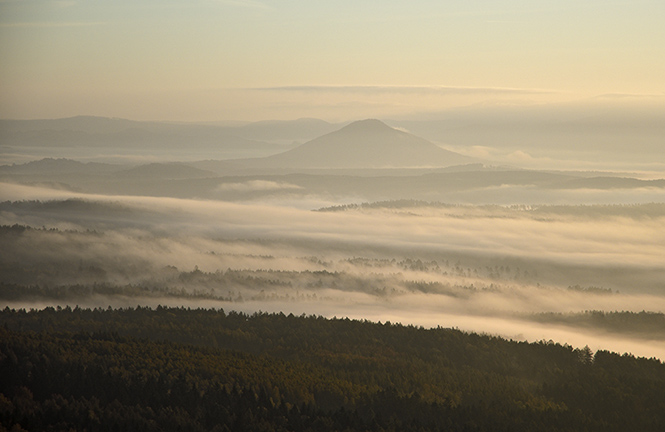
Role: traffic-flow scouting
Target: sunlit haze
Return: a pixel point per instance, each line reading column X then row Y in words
column 212, row 60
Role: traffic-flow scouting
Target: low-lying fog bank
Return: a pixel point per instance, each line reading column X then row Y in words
column 479, row 268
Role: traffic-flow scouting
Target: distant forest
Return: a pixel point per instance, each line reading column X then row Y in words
column 654, row 209
column 168, row 369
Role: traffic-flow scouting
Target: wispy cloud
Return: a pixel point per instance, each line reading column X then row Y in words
column 630, row 95
column 405, row 89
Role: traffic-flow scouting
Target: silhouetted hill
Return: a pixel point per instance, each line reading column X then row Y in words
column 363, row 144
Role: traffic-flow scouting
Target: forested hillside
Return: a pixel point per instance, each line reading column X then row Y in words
column 181, row 369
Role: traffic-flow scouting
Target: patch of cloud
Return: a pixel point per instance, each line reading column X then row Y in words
column 477, row 151
column 521, row 156
column 532, row 160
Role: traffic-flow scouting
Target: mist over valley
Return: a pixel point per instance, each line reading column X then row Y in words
column 254, row 215
column 364, row 221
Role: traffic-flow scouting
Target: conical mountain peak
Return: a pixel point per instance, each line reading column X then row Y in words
column 367, row 125
column 365, row 144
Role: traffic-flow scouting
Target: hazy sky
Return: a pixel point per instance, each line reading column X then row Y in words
column 255, row 59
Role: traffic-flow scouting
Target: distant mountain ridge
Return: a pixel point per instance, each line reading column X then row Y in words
column 106, row 129
column 120, row 139
column 172, row 170
column 59, row 166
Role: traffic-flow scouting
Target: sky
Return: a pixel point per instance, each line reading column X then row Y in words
column 215, row 60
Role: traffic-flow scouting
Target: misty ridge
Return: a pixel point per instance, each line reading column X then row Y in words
column 403, row 220
column 627, row 135
column 362, row 161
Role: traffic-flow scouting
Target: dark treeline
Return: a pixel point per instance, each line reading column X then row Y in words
column 639, row 324
column 180, row 369
column 82, row 292
column 392, row 204
column 647, row 210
